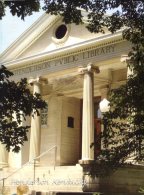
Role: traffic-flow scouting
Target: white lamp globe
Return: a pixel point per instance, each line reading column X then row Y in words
column 104, row 105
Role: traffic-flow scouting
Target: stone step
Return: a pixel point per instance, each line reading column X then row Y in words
column 78, row 193
column 81, row 193
column 63, row 178
column 67, row 193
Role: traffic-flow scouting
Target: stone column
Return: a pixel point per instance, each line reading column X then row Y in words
column 15, row 158
column 87, row 159
column 88, row 112
column 3, row 156
column 35, row 135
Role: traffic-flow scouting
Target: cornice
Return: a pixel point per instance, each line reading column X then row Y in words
column 66, row 51
column 56, row 18
column 29, row 37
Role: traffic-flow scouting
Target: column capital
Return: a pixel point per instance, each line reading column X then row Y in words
column 88, row 69
column 38, row 80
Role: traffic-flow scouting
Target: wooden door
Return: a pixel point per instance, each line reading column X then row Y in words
column 97, row 140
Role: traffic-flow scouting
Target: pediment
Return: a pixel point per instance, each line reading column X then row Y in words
column 42, row 38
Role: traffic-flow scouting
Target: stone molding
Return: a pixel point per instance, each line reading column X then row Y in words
column 90, row 68
column 29, row 37
column 68, row 61
column 68, row 50
column 38, row 80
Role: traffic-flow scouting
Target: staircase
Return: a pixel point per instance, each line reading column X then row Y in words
column 63, row 178
column 42, row 180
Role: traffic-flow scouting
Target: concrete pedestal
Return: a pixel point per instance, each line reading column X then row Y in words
column 91, row 184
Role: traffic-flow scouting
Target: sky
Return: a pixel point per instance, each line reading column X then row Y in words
column 11, row 27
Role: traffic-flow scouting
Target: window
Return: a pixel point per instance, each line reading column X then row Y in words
column 44, row 116
column 70, row 122
column 61, row 31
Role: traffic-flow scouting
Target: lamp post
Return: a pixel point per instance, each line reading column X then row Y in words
column 104, row 107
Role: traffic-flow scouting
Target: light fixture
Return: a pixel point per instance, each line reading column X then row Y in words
column 104, row 105
column 124, row 58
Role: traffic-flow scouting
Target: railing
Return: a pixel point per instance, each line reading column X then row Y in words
column 43, row 154
column 34, row 165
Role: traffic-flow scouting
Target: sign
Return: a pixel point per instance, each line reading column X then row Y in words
column 71, row 61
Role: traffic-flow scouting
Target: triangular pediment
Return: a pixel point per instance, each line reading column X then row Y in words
column 50, row 41
column 48, row 34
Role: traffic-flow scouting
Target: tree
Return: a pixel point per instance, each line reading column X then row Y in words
column 15, row 99
column 20, row 8
column 123, row 137
column 125, row 120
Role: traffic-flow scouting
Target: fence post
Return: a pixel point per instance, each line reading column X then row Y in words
column 3, row 185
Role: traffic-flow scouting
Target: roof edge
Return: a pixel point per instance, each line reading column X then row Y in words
column 28, row 37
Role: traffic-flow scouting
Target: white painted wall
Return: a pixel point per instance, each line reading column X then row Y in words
column 57, row 133
column 50, row 135
column 70, row 137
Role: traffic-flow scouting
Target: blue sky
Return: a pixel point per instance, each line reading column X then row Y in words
column 11, row 27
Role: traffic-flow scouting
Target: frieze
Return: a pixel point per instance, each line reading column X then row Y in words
column 74, row 60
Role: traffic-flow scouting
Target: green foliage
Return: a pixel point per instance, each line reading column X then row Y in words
column 15, row 99
column 141, row 190
column 20, row 8
column 123, row 134
column 96, row 17
column 2, row 9
column 97, row 193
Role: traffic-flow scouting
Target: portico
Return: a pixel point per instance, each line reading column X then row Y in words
column 73, row 142
column 63, row 83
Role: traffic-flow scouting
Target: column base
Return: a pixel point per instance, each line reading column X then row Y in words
column 3, row 165
column 87, row 166
column 90, row 184
column 86, row 162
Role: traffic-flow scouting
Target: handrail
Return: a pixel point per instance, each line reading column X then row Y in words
column 32, row 161
column 42, row 154
column 15, row 171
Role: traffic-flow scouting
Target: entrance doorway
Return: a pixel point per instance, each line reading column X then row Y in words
column 97, row 127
